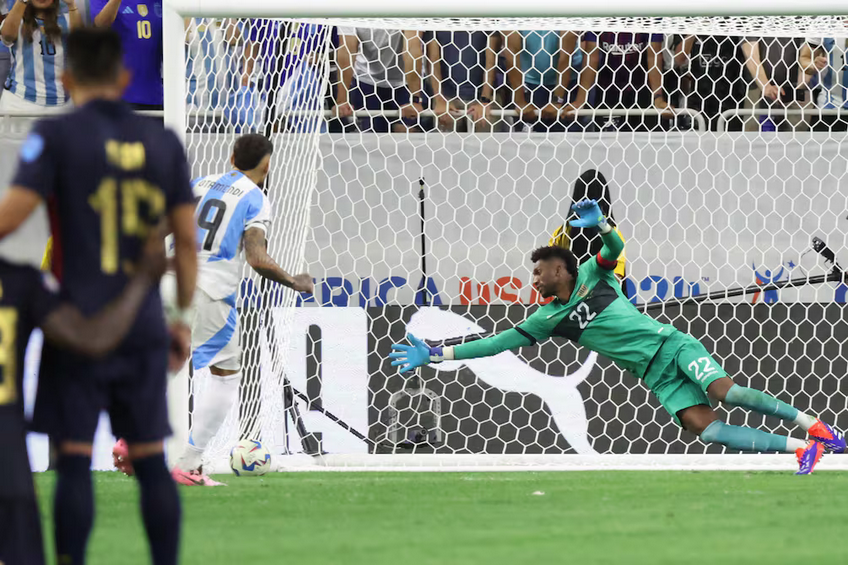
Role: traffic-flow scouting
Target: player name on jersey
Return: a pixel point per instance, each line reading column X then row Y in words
column 224, row 188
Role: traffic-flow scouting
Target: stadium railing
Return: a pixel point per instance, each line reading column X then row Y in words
column 813, row 112
column 6, row 118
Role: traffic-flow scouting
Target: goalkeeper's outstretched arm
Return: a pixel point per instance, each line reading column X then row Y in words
column 410, row 357
column 613, row 246
column 589, row 215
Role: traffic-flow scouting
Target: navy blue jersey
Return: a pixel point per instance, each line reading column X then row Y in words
column 108, row 176
column 25, row 301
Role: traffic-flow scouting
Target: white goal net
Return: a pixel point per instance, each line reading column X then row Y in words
column 417, row 164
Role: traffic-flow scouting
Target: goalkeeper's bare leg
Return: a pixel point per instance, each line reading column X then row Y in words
column 703, row 421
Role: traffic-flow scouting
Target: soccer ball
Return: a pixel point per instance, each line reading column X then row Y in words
column 250, row 458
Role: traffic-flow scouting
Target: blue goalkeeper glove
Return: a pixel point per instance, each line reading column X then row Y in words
column 589, row 215
column 410, row 357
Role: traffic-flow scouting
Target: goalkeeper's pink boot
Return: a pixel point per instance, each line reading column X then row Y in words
column 808, row 457
column 121, row 458
column 833, row 440
column 194, row 478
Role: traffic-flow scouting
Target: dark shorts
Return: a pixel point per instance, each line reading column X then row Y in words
column 20, row 532
column 129, row 386
column 369, row 97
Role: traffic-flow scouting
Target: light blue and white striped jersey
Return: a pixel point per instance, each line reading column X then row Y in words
column 229, row 204
column 832, row 78
column 37, row 66
column 4, row 51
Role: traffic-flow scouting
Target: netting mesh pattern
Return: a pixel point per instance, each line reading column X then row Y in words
column 758, row 26
column 233, row 69
column 414, row 171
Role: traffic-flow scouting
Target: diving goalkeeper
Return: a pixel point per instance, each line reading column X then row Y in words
column 590, row 309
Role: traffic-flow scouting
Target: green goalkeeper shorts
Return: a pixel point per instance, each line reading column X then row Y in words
column 681, row 372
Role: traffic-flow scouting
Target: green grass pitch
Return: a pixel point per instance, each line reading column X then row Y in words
column 620, row 518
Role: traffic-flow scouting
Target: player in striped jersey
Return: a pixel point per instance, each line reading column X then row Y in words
column 233, row 216
column 36, row 32
column 5, row 54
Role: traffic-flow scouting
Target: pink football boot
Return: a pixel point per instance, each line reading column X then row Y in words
column 121, row 458
column 194, row 478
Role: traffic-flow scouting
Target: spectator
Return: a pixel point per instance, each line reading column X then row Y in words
column 542, row 79
column 213, row 63
column 140, row 28
column 623, row 70
column 292, row 56
column 261, row 67
column 36, row 32
column 5, row 54
column 375, row 66
column 462, row 78
column 823, row 61
column 714, row 69
column 776, row 82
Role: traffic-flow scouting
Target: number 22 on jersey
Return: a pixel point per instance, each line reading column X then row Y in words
column 702, row 368
column 582, row 315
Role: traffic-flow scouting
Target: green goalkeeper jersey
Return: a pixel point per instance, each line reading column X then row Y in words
column 599, row 317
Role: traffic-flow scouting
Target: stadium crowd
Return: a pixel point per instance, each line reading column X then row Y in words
column 265, row 75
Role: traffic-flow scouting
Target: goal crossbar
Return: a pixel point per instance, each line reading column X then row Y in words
column 480, row 8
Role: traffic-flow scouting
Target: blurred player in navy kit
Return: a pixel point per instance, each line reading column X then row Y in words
column 108, row 176
column 29, row 299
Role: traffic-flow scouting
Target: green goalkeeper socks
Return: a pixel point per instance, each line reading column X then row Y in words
column 768, row 405
column 748, row 439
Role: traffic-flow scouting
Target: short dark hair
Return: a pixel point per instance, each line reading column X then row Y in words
column 249, row 151
column 556, row 252
column 94, row 55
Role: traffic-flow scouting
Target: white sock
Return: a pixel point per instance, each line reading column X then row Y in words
column 805, row 421
column 214, row 405
column 793, row 443
column 191, row 459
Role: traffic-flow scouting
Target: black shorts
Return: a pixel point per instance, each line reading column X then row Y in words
column 131, row 387
column 20, row 532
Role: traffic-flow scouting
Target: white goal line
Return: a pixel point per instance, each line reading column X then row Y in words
column 516, row 462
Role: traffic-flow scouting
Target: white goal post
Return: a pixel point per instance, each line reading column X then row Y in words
column 428, row 232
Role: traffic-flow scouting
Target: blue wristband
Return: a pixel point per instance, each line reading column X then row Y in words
column 437, row 355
